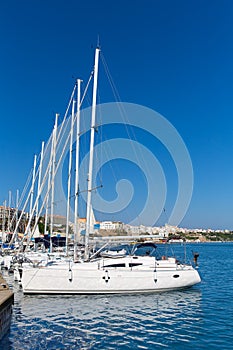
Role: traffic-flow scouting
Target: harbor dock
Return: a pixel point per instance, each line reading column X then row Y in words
column 6, row 302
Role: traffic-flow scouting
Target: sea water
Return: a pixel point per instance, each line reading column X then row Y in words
column 196, row 318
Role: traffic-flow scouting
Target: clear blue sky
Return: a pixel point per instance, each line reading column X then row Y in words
column 175, row 57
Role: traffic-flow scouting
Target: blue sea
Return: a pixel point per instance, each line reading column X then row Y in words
column 197, row 318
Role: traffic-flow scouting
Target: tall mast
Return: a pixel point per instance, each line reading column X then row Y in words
column 53, row 180
column 33, row 184
column 4, row 222
column 31, row 212
column 39, row 176
column 69, row 177
column 17, row 201
column 9, row 213
column 49, row 181
column 17, row 207
column 89, row 179
column 76, row 233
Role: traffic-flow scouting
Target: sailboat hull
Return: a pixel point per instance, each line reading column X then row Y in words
column 108, row 276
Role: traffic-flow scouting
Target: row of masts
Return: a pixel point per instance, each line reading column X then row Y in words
column 7, row 214
column 41, row 195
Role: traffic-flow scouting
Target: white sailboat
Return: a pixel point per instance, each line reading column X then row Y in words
column 106, row 273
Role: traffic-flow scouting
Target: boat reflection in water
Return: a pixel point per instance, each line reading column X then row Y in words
column 106, row 321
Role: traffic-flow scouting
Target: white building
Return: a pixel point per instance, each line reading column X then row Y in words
column 107, row 225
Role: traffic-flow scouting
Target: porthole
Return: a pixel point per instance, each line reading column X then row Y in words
column 176, row 276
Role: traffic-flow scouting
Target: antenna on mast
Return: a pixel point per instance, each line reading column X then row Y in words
column 98, row 41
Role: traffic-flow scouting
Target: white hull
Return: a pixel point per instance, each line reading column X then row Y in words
column 112, row 276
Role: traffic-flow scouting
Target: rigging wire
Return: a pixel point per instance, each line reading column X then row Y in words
column 129, row 129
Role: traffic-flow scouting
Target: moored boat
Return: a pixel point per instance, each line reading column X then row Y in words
column 112, row 275
column 114, row 272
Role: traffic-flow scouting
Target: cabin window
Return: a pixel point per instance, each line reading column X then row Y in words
column 134, row 264
column 176, row 276
column 114, row 265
